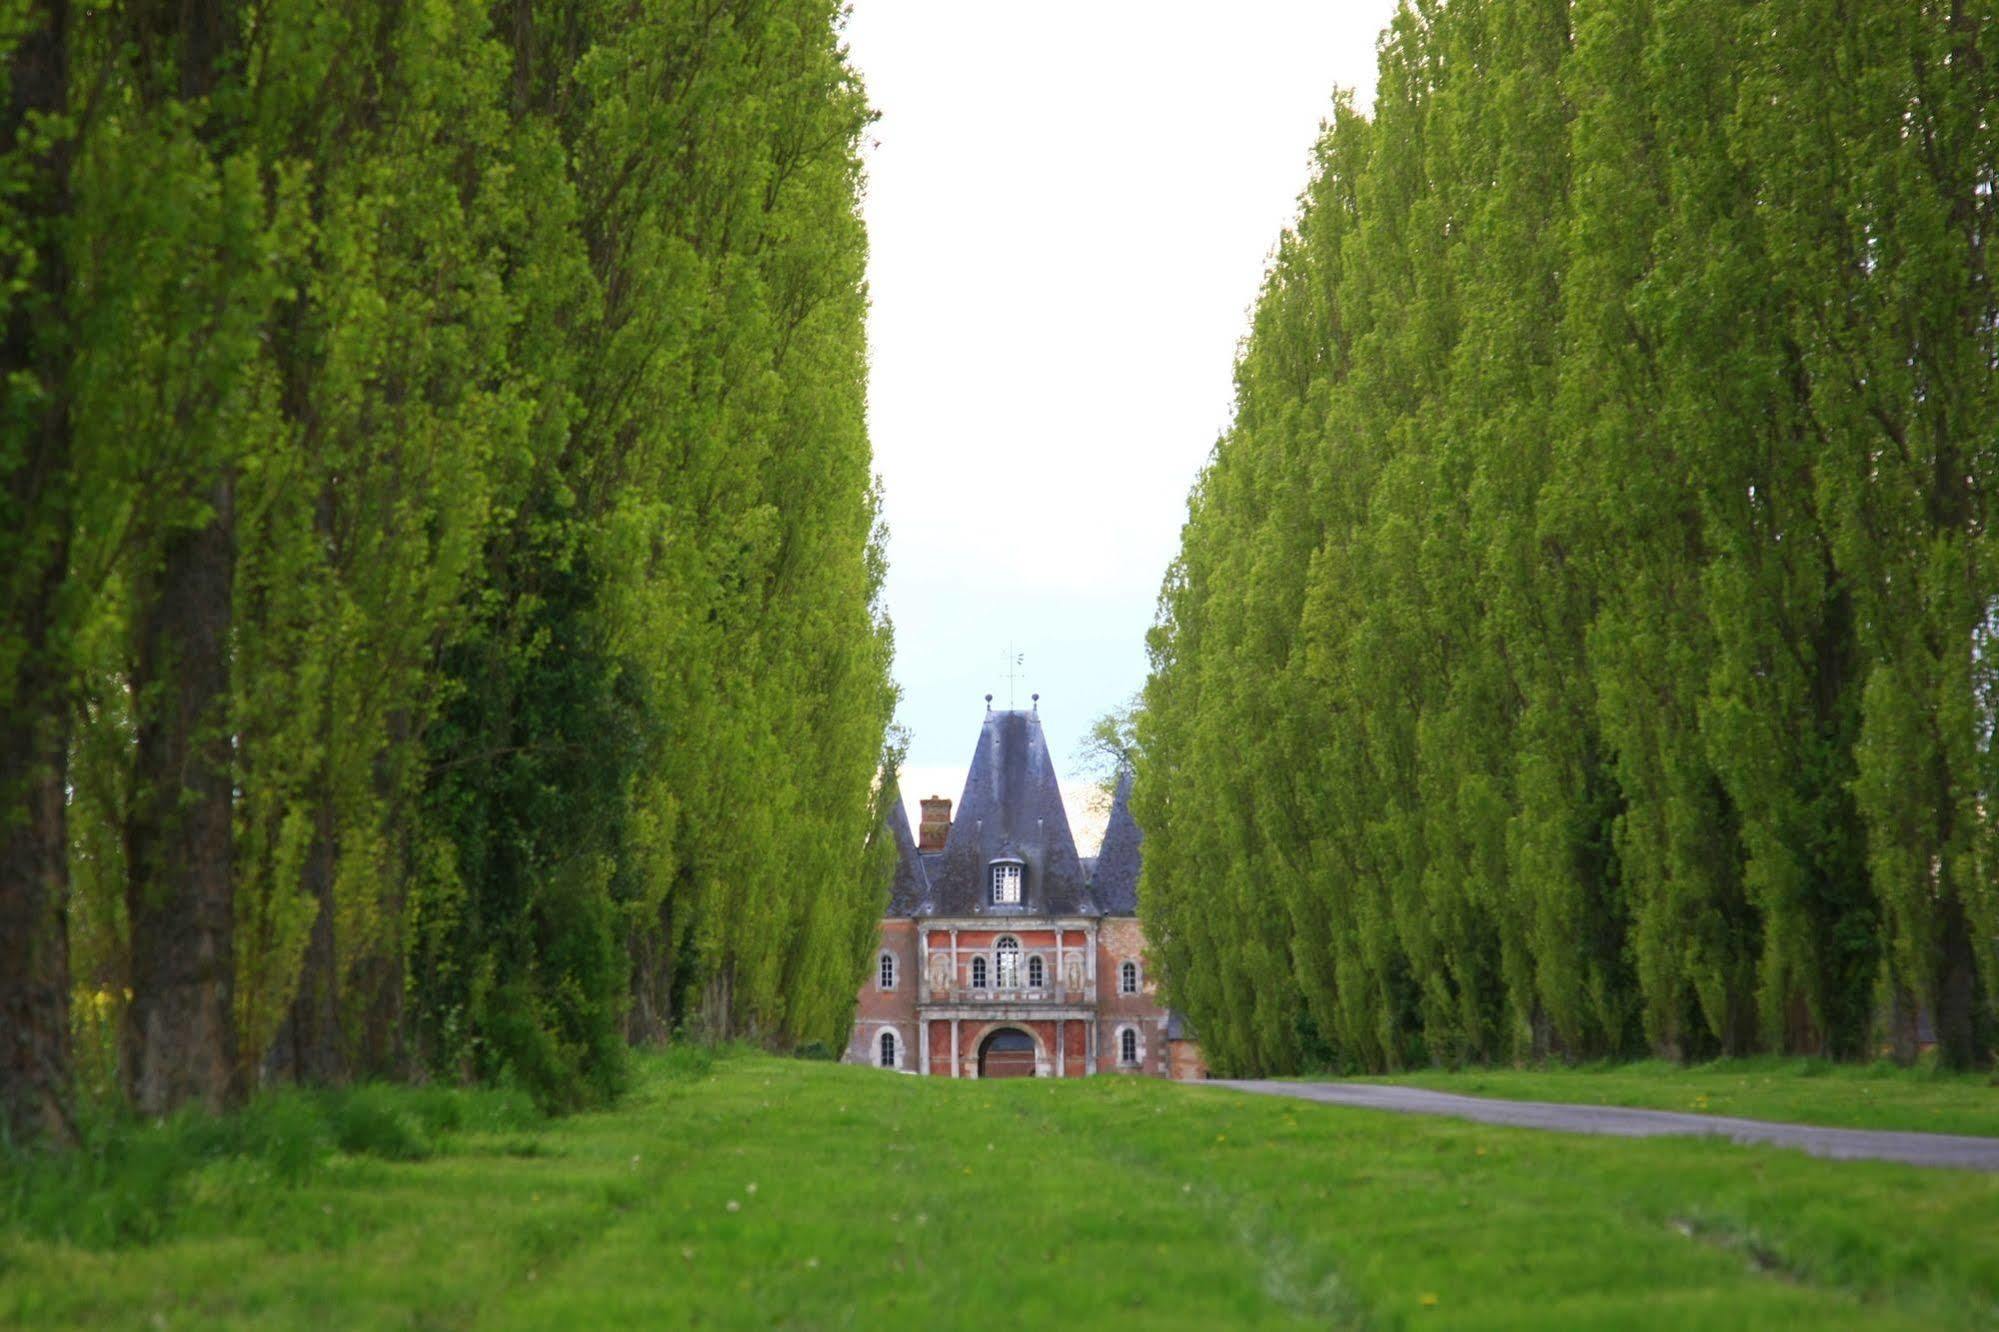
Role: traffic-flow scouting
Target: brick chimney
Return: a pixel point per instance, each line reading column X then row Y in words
column 935, row 829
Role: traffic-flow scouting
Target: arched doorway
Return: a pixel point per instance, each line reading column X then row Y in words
column 1007, row 1053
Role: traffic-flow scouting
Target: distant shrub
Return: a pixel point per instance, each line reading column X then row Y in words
column 688, row 1061
column 814, row 1050
column 130, row 1183
column 289, row 1132
column 377, row 1121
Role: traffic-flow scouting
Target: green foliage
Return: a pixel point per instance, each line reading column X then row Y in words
column 516, row 366
column 1581, row 640
column 653, row 780
column 1109, row 748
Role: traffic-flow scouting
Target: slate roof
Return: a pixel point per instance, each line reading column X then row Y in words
column 910, row 892
column 1012, row 807
column 1115, row 883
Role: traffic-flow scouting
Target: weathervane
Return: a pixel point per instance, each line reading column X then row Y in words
column 1016, row 663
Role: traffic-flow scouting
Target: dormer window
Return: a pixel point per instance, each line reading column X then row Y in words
column 1006, row 883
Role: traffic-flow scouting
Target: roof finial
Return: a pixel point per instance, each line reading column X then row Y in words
column 1037, row 702
column 989, row 702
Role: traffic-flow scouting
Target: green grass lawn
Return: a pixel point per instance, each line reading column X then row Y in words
column 766, row 1192
column 1803, row 1091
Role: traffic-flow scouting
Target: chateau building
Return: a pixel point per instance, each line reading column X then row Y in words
column 1004, row 953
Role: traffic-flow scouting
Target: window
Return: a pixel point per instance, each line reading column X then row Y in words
column 888, row 1049
column 1127, row 978
column 1127, row 1044
column 888, row 971
column 1006, row 961
column 1006, row 885
column 978, row 973
column 1034, row 973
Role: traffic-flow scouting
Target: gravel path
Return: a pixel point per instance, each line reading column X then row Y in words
column 1924, row 1149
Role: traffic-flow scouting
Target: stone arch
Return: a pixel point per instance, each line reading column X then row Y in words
column 1042, row 1066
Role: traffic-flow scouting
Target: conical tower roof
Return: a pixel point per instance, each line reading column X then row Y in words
column 1011, row 810
column 1115, row 883
column 910, row 892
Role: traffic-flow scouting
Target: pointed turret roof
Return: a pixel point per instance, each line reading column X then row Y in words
column 909, row 895
column 1115, row 882
column 1011, row 810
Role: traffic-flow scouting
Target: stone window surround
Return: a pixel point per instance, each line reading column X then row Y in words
column 1006, row 963
column 1129, row 1030
column 885, row 971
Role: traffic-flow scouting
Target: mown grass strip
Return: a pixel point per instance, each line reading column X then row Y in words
column 769, row 1192
column 1801, row 1091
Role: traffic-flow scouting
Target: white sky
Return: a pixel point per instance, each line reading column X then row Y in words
column 1070, row 205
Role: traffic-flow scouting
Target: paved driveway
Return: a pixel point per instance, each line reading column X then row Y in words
column 1924, row 1149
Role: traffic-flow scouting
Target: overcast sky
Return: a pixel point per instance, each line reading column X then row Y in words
column 1070, row 206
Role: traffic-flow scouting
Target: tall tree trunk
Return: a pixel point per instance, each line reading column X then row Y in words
column 181, row 1043
column 180, row 900
column 379, row 982
column 379, row 977
column 1962, row 1041
column 309, row 1047
column 34, row 730
column 1905, row 1013
column 34, row 939
column 649, row 1021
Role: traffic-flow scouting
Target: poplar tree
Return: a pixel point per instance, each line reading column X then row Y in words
column 442, row 564
column 197, row 400
column 1582, row 634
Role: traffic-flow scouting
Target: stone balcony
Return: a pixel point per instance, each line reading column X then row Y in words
column 1020, row 996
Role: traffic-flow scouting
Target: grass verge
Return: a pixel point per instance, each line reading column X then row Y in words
column 1801, row 1091
column 758, row 1192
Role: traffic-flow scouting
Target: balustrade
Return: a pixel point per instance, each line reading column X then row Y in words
column 995, row 994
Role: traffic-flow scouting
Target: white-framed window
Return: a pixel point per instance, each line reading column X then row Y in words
column 888, row 971
column 978, row 973
column 1036, row 975
column 1006, row 962
column 1006, row 885
column 1127, row 978
column 1127, row 1044
column 888, row 1049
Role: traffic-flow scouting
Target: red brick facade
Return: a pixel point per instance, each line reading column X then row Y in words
column 941, row 1014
